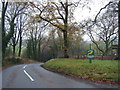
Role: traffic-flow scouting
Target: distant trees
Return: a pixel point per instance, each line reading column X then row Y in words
column 35, row 32
column 104, row 28
column 56, row 43
column 75, row 41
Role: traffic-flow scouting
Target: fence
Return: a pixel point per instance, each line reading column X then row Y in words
column 96, row 57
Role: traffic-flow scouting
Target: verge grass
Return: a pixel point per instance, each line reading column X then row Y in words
column 99, row 69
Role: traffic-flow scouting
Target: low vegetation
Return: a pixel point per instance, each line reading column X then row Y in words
column 100, row 70
column 16, row 60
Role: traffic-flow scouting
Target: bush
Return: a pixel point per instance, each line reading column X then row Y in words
column 11, row 60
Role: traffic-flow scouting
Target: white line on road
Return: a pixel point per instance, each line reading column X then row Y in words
column 29, row 76
column 24, row 66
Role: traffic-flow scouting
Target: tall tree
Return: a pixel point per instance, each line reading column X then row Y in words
column 118, row 31
column 14, row 10
column 57, row 14
column 20, row 36
column 4, row 8
column 22, row 23
column 104, row 27
column 116, row 9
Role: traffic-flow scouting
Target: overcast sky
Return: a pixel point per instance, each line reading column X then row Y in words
column 95, row 5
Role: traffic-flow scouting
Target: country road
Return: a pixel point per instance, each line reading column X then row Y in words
column 34, row 76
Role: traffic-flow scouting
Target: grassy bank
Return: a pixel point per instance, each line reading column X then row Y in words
column 10, row 61
column 101, row 70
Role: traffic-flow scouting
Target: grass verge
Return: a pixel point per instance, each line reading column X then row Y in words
column 99, row 70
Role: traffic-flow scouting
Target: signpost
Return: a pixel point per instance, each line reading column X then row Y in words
column 90, row 55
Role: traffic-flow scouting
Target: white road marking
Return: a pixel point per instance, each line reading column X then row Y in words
column 29, row 76
column 24, row 66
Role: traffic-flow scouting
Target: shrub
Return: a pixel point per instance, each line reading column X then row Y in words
column 11, row 60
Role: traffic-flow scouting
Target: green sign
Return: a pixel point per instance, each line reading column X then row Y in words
column 90, row 54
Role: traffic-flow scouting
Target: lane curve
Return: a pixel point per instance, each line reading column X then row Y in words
column 15, row 77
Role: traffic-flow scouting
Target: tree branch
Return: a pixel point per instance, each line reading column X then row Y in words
column 101, row 10
column 51, row 23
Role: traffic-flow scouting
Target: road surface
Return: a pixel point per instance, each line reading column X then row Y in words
column 34, row 76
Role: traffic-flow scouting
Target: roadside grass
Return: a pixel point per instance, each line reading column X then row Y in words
column 99, row 69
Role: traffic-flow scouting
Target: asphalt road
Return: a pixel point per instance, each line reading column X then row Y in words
column 34, row 76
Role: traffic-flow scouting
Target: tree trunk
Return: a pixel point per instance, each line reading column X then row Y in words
column 65, row 31
column 20, row 33
column 14, row 50
column 106, row 53
column 118, row 31
column 4, row 8
column 29, row 49
column 35, row 49
column 20, row 42
column 20, row 46
column 9, row 35
column 39, row 50
column 65, row 44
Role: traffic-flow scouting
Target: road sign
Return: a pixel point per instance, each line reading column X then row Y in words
column 90, row 54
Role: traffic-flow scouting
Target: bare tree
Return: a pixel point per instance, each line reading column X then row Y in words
column 104, row 27
column 22, row 23
column 14, row 10
column 114, row 7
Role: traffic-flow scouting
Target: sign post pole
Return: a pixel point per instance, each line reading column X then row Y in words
column 90, row 60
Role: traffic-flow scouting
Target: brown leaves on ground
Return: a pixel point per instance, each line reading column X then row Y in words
column 28, row 61
column 86, row 77
column 103, row 80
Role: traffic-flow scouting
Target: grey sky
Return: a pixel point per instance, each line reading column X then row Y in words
column 95, row 5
